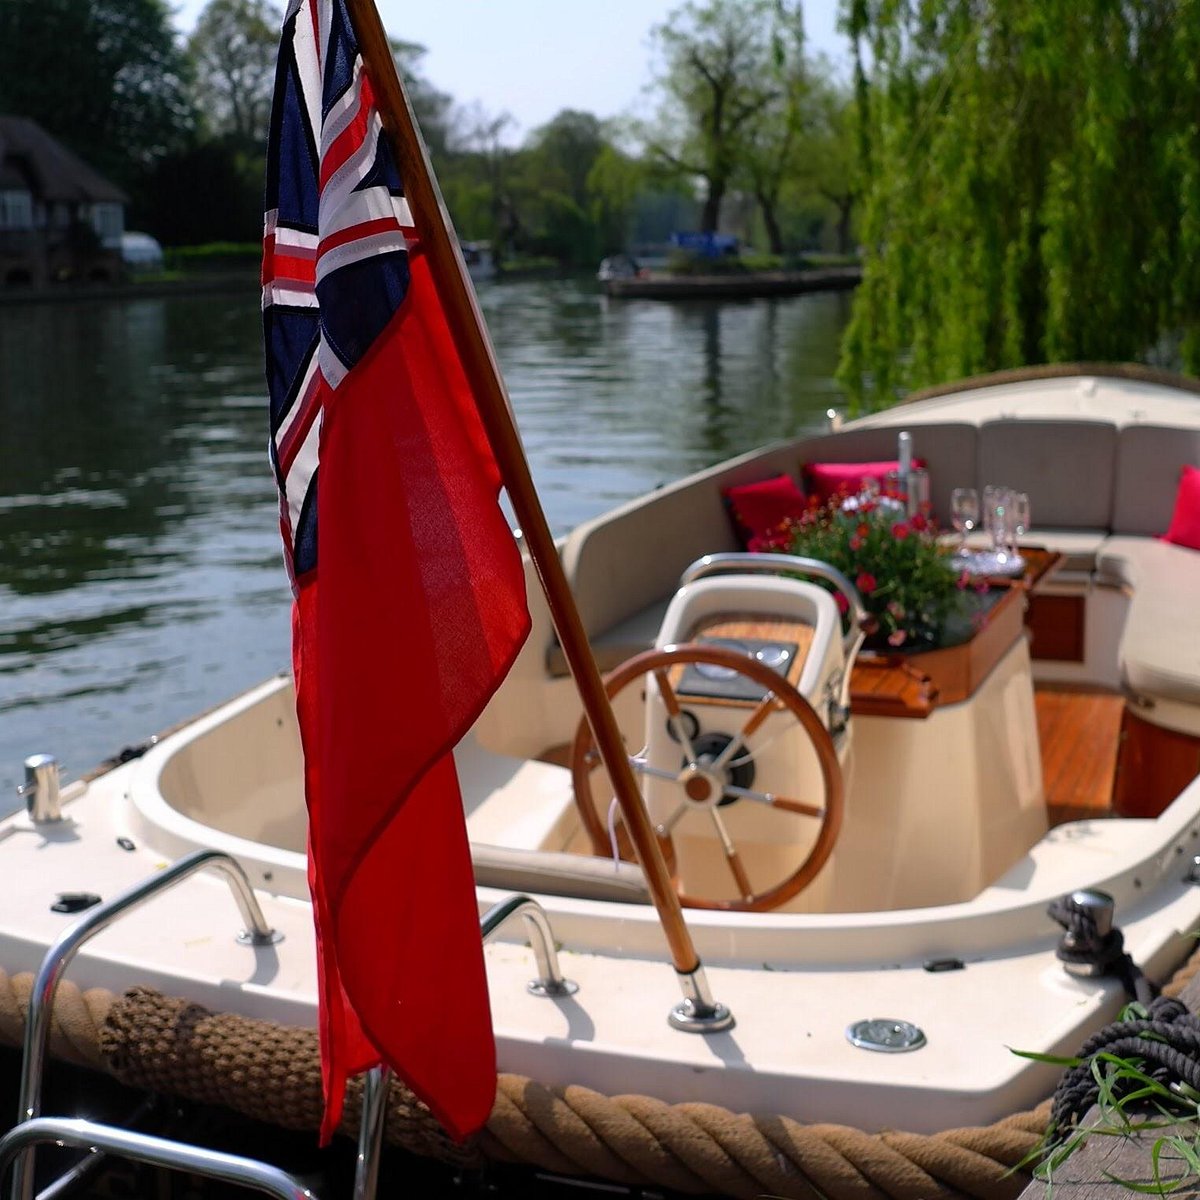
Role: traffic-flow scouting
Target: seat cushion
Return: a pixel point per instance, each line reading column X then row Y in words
column 758, row 509
column 1184, row 529
column 1160, row 647
column 1149, row 461
column 1034, row 456
column 558, row 874
column 828, row 479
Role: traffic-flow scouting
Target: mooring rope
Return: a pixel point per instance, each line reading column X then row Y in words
column 1166, row 1042
column 272, row 1073
column 75, row 1022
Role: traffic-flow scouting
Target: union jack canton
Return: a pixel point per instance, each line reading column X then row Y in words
column 335, row 247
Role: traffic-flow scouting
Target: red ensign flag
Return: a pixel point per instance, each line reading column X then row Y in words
column 413, row 610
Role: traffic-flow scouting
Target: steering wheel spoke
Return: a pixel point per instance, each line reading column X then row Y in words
column 705, row 781
column 732, row 857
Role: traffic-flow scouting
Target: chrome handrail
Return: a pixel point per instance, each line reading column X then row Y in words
column 775, row 564
column 541, row 938
column 154, row 1151
column 60, row 954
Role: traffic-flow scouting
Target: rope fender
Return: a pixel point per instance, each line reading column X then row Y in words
column 272, row 1073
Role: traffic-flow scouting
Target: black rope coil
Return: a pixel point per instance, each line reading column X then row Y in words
column 1166, row 1044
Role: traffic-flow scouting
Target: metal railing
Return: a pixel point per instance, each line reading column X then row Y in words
column 33, row 1129
column 550, row 981
column 60, row 955
column 145, row 1148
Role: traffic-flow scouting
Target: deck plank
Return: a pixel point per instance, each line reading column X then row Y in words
column 1078, row 732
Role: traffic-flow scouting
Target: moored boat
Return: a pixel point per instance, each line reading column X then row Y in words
column 909, row 881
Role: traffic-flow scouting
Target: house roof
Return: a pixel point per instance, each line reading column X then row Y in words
column 49, row 169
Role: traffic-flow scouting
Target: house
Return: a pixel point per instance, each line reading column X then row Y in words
column 60, row 221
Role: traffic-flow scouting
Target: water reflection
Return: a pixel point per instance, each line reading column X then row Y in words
column 140, row 574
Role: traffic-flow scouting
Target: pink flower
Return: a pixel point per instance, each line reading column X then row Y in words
column 866, row 582
column 896, row 609
column 963, row 581
column 897, row 637
column 900, row 530
column 842, row 603
column 856, row 543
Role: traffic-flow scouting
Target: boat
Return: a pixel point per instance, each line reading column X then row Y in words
column 645, row 284
column 480, row 261
column 878, row 940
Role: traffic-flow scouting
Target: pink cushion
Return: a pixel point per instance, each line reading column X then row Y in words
column 760, row 507
column 831, row 479
column 1185, row 522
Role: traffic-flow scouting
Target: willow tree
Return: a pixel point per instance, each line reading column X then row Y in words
column 1031, row 174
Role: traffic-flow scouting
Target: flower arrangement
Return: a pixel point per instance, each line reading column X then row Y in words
column 906, row 577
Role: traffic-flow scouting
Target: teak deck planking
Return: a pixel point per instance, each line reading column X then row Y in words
column 1079, row 732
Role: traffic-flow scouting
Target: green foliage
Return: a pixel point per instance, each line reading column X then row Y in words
column 213, row 255
column 207, row 192
column 721, row 71
column 905, row 575
column 106, row 77
column 430, row 106
column 1032, row 175
column 233, row 48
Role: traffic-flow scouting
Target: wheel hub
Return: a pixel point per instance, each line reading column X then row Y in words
column 705, row 787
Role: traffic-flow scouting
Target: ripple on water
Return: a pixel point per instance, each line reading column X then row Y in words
column 140, row 573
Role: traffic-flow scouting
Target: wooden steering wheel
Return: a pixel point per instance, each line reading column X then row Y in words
column 705, row 780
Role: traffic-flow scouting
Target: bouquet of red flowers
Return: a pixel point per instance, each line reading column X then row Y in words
column 906, row 576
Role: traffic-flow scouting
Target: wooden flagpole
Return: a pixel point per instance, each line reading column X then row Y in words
column 475, row 349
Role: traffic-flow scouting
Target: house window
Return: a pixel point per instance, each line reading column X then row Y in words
column 108, row 220
column 16, row 210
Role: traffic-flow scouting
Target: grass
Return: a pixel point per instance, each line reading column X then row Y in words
column 1130, row 1103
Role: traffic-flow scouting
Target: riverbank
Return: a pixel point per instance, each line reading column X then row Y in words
column 743, row 285
column 136, row 289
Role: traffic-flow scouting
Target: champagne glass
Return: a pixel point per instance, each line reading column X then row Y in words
column 964, row 514
column 1021, row 518
column 997, row 511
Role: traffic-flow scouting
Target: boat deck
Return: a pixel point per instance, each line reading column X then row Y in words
column 1079, row 733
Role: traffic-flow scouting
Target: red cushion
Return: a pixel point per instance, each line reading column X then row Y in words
column 831, row 479
column 1185, row 522
column 760, row 507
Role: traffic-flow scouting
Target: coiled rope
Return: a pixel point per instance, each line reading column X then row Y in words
column 272, row 1073
column 1166, row 1041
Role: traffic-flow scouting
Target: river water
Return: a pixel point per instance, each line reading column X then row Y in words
column 140, row 573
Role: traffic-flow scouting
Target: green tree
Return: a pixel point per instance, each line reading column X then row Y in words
column 106, row 77
column 566, row 149
column 613, row 184
column 1032, row 187
column 829, row 152
column 717, row 76
column 774, row 134
column 430, row 106
column 233, row 47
